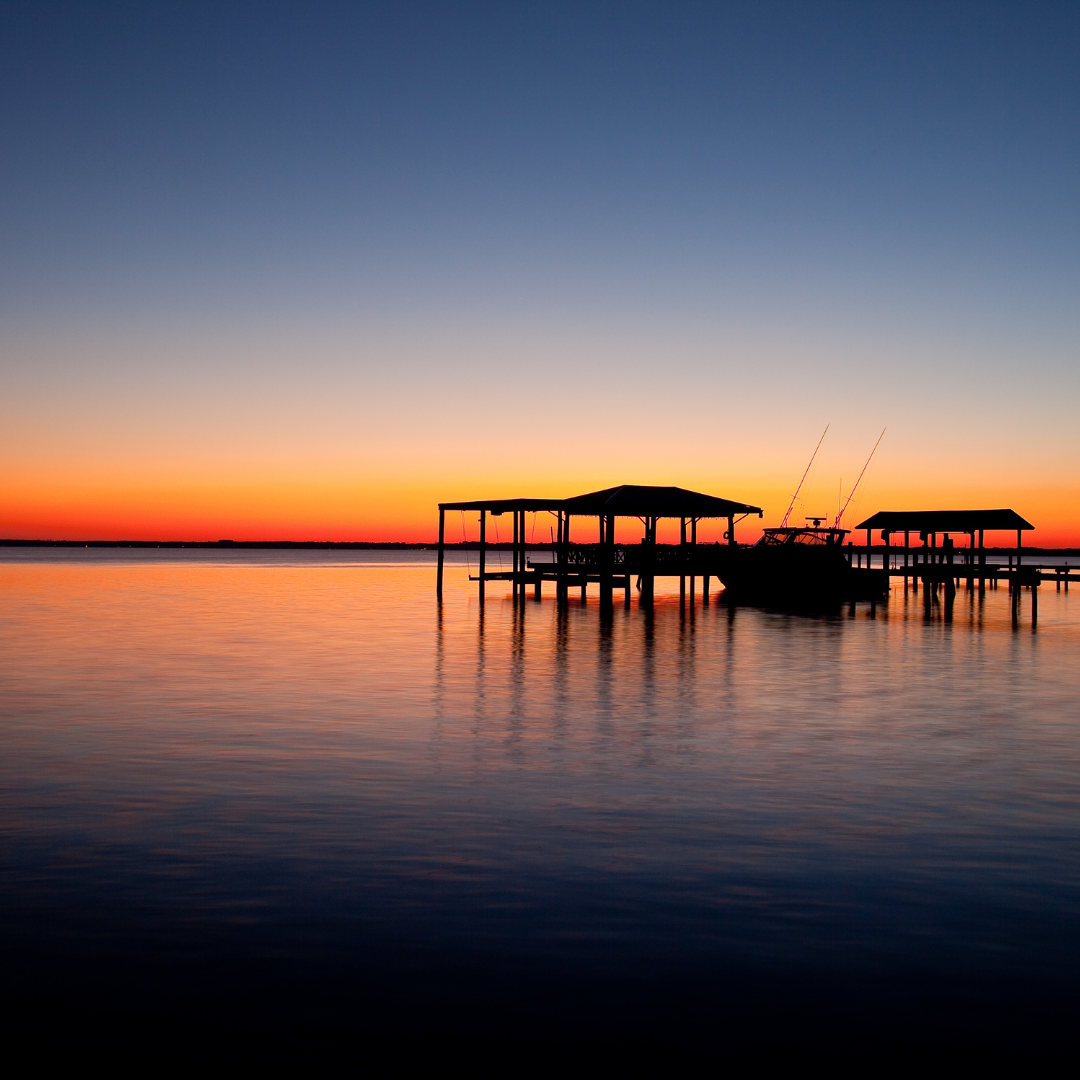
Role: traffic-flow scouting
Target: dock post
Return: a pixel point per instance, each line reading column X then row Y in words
column 562, row 590
column 1034, row 604
column 607, row 561
column 483, row 551
column 682, row 559
column 522, row 560
column 693, row 551
column 442, row 546
column 648, row 559
column 907, row 552
column 514, row 561
column 561, row 594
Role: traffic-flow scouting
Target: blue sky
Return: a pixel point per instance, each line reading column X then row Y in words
column 753, row 218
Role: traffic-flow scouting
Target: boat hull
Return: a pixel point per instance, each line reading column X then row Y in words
column 799, row 576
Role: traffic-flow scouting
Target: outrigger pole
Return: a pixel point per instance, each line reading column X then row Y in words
column 840, row 516
column 783, row 524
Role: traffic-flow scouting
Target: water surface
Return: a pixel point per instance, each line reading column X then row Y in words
column 251, row 769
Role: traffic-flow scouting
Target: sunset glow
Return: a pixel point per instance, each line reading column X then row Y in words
column 452, row 265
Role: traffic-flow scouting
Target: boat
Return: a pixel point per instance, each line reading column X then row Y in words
column 800, row 566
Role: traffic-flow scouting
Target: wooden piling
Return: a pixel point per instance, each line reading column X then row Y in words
column 693, row 546
column 514, row 561
column 523, row 562
column 607, row 560
column 442, row 552
column 648, row 559
column 682, row 556
column 483, row 551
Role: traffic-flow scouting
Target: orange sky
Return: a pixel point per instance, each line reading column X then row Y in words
column 360, row 509
column 358, row 433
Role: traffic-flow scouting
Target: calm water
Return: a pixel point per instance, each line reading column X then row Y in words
column 220, row 774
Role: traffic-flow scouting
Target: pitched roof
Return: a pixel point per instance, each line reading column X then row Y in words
column 944, row 521
column 638, row 500
column 626, row 500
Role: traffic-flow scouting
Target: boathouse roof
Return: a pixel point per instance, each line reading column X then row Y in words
column 504, row 506
column 638, row 500
column 945, row 521
column 626, row 500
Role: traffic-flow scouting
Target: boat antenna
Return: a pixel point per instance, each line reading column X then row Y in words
column 783, row 524
column 840, row 516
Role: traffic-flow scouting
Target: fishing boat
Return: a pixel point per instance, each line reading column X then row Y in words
column 802, row 565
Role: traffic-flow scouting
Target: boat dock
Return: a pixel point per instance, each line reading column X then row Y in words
column 576, row 560
column 611, row 567
column 945, row 566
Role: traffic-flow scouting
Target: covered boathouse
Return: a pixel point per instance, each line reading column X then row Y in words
column 947, row 564
column 928, row 525
column 579, row 562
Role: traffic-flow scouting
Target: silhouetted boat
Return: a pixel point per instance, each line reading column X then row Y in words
column 802, row 565
column 799, row 565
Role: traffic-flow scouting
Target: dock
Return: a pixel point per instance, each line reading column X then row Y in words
column 583, row 552
column 611, row 567
column 945, row 567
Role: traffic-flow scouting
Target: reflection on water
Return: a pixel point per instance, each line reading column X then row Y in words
column 303, row 759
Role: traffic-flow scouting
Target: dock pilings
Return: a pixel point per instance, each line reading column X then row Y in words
column 442, row 552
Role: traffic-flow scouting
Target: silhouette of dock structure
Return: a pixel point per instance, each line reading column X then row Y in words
column 944, row 567
column 576, row 559
column 574, row 564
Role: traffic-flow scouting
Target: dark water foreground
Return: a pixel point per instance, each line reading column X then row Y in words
column 276, row 799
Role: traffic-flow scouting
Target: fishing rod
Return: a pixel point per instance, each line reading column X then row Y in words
column 783, row 524
column 840, row 516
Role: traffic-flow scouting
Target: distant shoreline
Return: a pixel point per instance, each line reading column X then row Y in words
column 368, row 545
column 281, row 545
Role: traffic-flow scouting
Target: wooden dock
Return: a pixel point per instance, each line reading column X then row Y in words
column 609, row 565
column 575, row 565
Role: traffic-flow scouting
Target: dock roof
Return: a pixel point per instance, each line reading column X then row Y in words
column 945, row 521
column 504, row 506
column 638, row 500
column 626, row 500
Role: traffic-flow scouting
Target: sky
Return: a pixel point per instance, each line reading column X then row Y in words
column 302, row 271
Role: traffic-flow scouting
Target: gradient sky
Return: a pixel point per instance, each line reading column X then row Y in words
column 303, row 270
